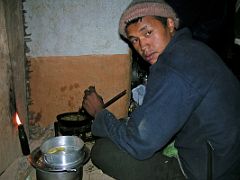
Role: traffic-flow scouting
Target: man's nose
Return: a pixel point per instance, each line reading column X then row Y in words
column 143, row 44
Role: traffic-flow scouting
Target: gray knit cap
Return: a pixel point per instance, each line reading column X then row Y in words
column 140, row 8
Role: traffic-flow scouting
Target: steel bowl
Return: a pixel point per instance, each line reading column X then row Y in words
column 44, row 172
column 63, row 151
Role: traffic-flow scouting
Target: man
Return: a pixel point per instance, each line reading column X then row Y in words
column 191, row 98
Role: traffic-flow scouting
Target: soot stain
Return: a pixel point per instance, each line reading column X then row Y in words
column 63, row 88
column 71, row 87
column 35, row 117
column 76, row 85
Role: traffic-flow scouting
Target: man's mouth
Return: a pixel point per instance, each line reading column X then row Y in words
column 150, row 57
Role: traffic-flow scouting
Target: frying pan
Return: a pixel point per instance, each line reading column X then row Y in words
column 82, row 118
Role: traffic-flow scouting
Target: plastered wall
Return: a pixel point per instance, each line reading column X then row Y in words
column 74, row 27
column 58, row 84
column 75, row 43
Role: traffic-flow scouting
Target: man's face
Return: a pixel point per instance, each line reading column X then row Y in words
column 149, row 37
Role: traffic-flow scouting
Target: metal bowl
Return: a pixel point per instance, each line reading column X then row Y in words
column 63, row 151
column 44, row 172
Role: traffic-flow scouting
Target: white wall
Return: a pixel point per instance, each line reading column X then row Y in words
column 74, row 27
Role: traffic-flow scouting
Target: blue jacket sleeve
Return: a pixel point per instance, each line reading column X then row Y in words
column 168, row 103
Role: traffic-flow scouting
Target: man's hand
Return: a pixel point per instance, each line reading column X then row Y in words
column 92, row 101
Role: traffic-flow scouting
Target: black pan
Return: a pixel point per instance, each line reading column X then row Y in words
column 82, row 118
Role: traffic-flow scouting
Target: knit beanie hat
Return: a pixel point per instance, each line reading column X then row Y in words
column 140, row 8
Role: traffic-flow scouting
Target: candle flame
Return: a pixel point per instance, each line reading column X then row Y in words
column 18, row 119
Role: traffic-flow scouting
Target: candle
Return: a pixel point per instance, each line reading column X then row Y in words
column 22, row 137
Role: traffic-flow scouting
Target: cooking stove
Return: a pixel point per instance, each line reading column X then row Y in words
column 82, row 131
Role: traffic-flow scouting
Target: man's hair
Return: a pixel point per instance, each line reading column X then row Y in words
column 163, row 20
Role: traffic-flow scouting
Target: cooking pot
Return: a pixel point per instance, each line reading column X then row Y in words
column 74, row 123
column 60, row 175
column 63, row 151
column 45, row 171
column 73, row 119
column 81, row 119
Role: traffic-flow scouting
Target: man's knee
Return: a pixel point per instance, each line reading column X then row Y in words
column 101, row 151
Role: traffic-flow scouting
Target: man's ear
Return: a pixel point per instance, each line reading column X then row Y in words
column 170, row 24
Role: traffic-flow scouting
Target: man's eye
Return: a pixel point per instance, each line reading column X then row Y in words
column 133, row 41
column 148, row 33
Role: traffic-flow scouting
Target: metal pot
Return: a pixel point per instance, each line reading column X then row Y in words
column 61, row 175
column 74, row 119
column 63, row 151
column 45, row 172
column 82, row 118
